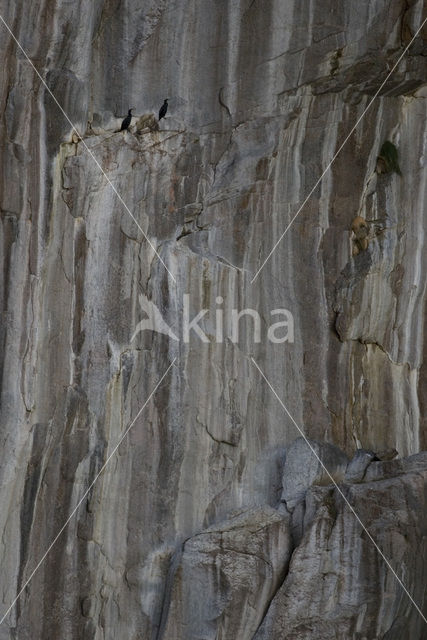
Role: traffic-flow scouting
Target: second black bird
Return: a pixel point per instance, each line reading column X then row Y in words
column 126, row 122
column 163, row 109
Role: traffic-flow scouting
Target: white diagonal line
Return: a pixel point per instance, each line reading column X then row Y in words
column 43, row 558
column 336, row 154
column 342, row 495
column 87, row 149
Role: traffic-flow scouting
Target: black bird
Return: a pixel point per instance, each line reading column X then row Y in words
column 163, row 109
column 127, row 120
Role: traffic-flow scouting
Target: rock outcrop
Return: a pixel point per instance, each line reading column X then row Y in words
column 250, row 577
column 338, row 586
column 226, row 577
column 309, row 463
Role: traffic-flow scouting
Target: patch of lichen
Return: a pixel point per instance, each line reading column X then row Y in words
column 387, row 161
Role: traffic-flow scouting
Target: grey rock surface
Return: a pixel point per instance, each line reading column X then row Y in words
column 358, row 465
column 226, row 576
column 262, row 95
column 337, row 587
column 309, row 462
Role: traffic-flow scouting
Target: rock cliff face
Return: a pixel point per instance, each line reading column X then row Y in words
column 184, row 534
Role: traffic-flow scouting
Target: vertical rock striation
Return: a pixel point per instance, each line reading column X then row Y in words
column 261, row 96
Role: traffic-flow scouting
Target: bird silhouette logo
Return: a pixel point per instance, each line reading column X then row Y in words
column 154, row 321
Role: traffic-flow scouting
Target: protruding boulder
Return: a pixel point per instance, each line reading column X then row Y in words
column 226, row 577
column 338, row 585
column 358, row 465
column 308, row 464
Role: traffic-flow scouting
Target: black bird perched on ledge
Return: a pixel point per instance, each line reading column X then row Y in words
column 127, row 120
column 163, row 109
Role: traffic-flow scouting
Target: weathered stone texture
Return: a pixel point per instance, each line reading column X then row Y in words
column 262, row 95
column 338, row 586
column 226, row 577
